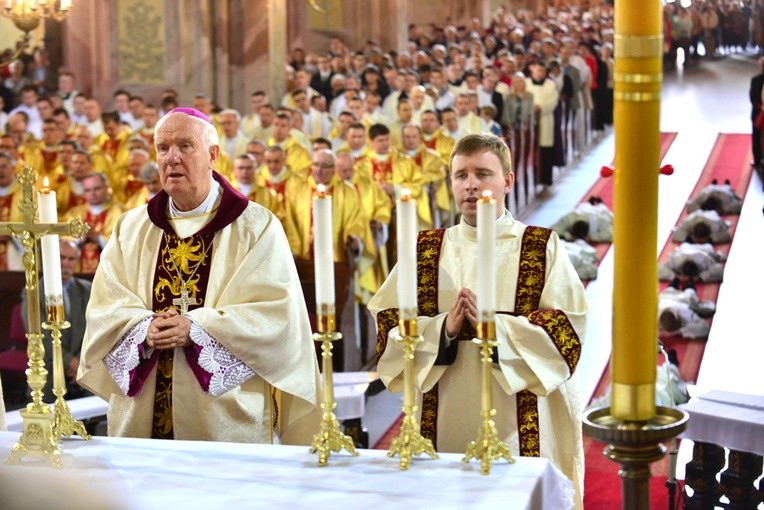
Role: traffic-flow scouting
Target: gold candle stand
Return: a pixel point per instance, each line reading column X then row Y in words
column 488, row 447
column 37, row 437
column 329, row 438
column 63, row 422
column 634, row 445
column 410, row 440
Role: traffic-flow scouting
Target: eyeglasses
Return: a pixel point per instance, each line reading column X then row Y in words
column 323, row 165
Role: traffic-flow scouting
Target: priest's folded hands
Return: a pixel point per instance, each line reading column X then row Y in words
column 168, row 330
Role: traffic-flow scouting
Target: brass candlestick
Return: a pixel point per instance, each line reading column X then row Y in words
column 37, row 437
column 634, row 445
column 329, row 438
column 488, row 446
column 410, row 440
column 63, row 422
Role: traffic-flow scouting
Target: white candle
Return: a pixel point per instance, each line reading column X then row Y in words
column 323, row 247
column 486, row 263
column 51, row 257
column 406, row 225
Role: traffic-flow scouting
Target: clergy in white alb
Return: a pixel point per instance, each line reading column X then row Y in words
column 197, row 328
column 540, row 323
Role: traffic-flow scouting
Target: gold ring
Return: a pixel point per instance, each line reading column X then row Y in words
column 638, row 46
column 637, row 97
column 637, row 77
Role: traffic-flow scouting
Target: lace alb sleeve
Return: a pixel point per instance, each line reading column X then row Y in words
column 124, row 357
column 226, row 369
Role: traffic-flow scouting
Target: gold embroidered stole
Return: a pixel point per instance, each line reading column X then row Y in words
column 530, row 282
column 185, row 255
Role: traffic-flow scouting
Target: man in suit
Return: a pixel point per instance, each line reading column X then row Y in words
column 321, row 82
column 76, row 297
column 757, row 83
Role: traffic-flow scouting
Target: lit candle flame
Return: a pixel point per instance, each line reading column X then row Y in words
column 321, row 191
column 487, row 196
column 405, row 195
column 45, row 185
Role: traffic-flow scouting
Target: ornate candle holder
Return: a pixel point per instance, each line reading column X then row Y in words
column 37, row 436
column 488, row 447
column 410, row 440
column 63, row 422
column 329, row 438
column 634, row 445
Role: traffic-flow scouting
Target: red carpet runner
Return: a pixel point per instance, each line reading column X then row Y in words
column 728, row 160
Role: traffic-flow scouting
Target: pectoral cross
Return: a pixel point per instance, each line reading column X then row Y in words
column 184, row 300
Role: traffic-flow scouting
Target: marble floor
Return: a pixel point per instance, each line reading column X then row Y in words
column 699, row 101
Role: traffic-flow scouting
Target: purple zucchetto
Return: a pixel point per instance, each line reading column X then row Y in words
column 193, row 112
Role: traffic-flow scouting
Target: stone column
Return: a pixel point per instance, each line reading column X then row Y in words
column 88, row 48
column 189, row 58
column 221, row 52
column 391, row 21
column 277, row 48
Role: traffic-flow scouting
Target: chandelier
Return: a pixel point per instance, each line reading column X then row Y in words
column 26, row 15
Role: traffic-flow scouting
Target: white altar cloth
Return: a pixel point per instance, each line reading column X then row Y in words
column 80, row 409
column 349, row 394
column 731, row 420
column 122, row 473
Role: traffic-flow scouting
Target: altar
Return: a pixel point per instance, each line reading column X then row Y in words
column 122, row 473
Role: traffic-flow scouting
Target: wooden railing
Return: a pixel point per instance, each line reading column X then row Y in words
column 734, row 487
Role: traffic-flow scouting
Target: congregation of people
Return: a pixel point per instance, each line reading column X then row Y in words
column 396, row 114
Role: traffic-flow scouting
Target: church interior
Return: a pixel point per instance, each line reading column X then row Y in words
column 328, row 66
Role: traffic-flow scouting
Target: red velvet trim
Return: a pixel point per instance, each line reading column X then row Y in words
column 232, row 205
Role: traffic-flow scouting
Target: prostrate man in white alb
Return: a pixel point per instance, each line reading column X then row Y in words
column 540, row 326
column 591, row 221
column 693, row 262
column 718, row 197
column 197, row 328
column 702, row 227
column 583, row 256
column 681, row 312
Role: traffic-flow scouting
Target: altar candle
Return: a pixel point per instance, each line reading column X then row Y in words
column 406, row 225
column 486, row 255
column 637, row 113
column 51, row 257
column 323, row 247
